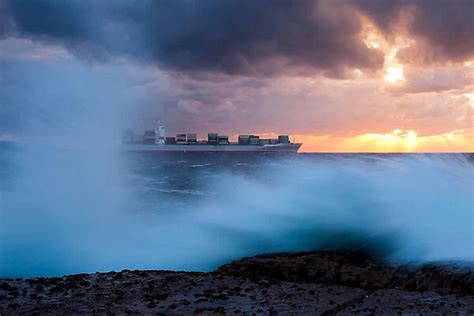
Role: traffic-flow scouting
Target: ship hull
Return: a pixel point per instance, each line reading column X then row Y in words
column 231, row 148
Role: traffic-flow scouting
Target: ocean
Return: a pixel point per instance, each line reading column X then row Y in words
column 95, row 209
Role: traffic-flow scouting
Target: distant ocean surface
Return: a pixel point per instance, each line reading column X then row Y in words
column 95, row 209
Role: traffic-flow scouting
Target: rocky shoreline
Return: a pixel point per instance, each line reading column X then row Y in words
column 320, row 282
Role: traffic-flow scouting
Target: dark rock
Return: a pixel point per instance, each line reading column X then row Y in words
column 319, row 283
column 353, row 269
column 315, row 267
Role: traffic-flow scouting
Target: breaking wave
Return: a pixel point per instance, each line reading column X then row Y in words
column 74, row 212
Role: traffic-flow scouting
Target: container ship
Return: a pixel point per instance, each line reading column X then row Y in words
column 157, row 141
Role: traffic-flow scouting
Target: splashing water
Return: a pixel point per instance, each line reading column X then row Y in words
column 79, row 211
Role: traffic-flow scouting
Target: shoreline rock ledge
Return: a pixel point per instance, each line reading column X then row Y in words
column 316, row 283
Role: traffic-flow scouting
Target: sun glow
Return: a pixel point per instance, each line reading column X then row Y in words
column 373, row 45
column 397, row 140
column 470, row 96
column 374, row 39
column 394, row 74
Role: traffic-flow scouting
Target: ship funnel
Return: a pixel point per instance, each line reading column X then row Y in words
column 160, row 133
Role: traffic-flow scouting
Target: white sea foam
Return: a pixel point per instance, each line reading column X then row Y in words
column 71, row 213
column 200, row 165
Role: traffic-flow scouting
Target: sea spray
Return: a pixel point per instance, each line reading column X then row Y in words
column 66, row 214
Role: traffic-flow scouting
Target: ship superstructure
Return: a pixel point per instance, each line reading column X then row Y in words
column 156, row 140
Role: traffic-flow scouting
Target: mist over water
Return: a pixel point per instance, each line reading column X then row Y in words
column 70, row 202
column 85, row 210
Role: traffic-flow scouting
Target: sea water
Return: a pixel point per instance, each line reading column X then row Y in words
column 73, row 210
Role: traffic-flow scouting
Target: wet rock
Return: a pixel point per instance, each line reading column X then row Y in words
column 316, row 283
column 341, row 268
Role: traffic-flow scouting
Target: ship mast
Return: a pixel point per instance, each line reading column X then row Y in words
column 160, row 133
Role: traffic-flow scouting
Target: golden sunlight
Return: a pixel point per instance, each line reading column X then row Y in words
column 470, row 96
column 395, row 141
column 394, row 74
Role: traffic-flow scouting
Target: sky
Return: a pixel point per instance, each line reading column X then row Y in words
column 339, row 76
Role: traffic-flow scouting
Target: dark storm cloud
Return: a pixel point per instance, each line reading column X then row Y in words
column 58, row 19
column 91, row 30
column 236, row 37
column 444, row 30
column 232, row 37
column 257, row 38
